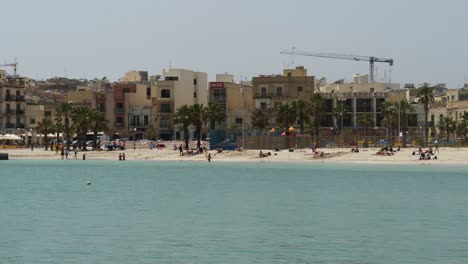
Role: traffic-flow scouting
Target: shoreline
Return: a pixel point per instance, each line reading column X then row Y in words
column 447, row 156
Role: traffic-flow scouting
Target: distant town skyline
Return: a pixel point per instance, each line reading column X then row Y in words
column 88, row 39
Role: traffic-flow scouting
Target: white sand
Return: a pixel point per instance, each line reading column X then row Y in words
column 446, row 155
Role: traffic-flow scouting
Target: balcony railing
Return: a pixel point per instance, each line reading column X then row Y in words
column 14, row 125
column 20, row 112
column 20, row 98
column 120, row 110
column 10, row 112
column 218, row 99
column 118, row 124
column 270, row 95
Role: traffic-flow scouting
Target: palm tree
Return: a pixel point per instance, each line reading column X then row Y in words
column 260, row 118
column 183, row 117
column 389, row 114
column 98, row 123
column 425, row 97
column 81, row 119
column 58, row 128
column 213, row 113
column 366, row 120
column 196, row 117
column 285, row 116
column 405, row 108
column 63, row 111
column 301, row 108
column 448, row 125
column 45, row 127
column 317, row 107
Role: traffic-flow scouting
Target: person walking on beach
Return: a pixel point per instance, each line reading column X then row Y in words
column 66, row 153
column 209, row 157
column 75, row 149
column 62, row 153
column 181, row 150
column 123, row 156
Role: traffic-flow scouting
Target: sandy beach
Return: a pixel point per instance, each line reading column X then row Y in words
column 446, row 155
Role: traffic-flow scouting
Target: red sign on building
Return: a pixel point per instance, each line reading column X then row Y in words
column 216, row 85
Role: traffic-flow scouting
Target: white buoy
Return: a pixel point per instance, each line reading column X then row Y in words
column 88, row 183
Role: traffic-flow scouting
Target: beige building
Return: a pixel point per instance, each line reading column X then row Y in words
column 271, row 90
column 12, row 105
column 235, row 99
column 135, row 77
column 176, row 88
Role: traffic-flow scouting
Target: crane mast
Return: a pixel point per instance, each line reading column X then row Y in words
column 370, row 59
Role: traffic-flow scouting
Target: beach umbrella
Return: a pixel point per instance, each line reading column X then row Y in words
column 292, row 129
column 2, row 137
column 283, row 134
column 12, row 137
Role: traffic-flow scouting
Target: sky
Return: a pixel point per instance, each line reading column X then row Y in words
column 428, row 40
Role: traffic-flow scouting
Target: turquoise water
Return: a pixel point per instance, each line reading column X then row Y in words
column 184, row 212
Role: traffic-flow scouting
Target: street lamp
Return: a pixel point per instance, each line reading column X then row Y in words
column 134, row 138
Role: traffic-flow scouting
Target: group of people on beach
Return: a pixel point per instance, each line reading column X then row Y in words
column 122, row 156
column 64, row 152
column 388, row 150
column 427, row 154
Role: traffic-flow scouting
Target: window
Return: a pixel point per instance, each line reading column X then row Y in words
column 289, row 74
column 32, row 121
column 145, row 120
column 126, row 90
column 194, row 81
column 171, row 78
column 165, row 122
column 263, row 106
column 279, row 90
column 299, row 89
column 238, row 121
column 119, row 121
column 165, row 108
column 263, row 90
column 148, row 92
column 165, row 93
column 194, row 94
column 372, row 89
column 119, row 105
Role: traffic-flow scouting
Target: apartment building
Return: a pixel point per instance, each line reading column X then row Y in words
column 271, row 90
column 176, row 88
column 235, row 99
column 135, row 77
column 12, row 105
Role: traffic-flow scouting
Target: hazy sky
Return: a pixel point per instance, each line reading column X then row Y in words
column 93, row 38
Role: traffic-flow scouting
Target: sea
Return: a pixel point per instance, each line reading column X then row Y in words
column 230, row 212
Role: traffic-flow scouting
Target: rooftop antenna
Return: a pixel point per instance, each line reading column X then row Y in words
column 292, row 56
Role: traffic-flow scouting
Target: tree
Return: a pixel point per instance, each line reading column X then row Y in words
column 390, row 114
column 196, row 116
column 285, row 116
column 425, row 97
column 405, row 107
column 213, row 113
column 260, row 118
column 98, row 123
column 317, row 107
column 366, row 120
column 183, row 117
column 301, row 108
column 338, row 113
column 151, row 133
column 45, row 127
column 63, row 111
column 81, row 119
column 448, row 125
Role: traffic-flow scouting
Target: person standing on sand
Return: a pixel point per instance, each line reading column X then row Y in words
column 181, row 150
column 66, row 153
column 62, row 153
column 209, row 157
column 76, row 152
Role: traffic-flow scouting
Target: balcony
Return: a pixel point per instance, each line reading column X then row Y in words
column 20, row 98
column 270, row 95
column 15, row 126
column 218, row 99
column 10, row 112
column 9, row 97
column 118, row 124
column 20, row 112
column 120, row 110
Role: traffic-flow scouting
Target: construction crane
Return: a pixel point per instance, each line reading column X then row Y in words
column 14, row 65
column 370, row 59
